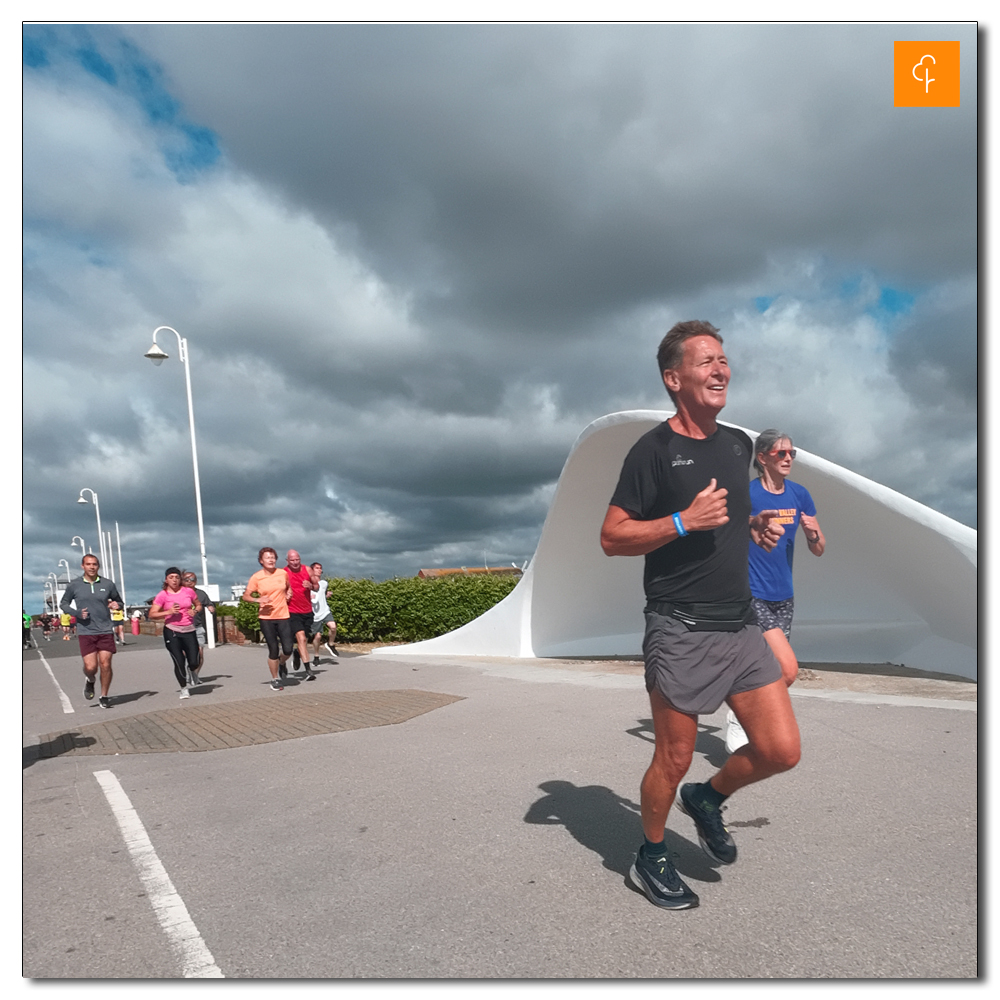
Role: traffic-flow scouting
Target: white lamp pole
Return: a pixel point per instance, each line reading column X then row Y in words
column 62, row 562
column 100, row 534
column 121, row 568
column 111, row 557
column 157, row 355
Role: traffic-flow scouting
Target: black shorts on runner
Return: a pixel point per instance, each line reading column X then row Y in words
column 697, row 671
column 301, row 622
column 774, row 614
column 274, row 629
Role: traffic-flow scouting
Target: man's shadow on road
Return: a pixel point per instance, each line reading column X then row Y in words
column 710, row 746
column 63, row 743
column 609, row 825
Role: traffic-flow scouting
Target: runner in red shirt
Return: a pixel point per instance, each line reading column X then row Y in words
column 300, row 609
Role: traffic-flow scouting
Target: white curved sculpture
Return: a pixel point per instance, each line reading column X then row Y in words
column 897, row 582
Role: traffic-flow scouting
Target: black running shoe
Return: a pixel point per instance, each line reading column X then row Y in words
column 658, row 879
column 88, row 690
column 310, row 676
column 296, row 661
column 712, row 834
column 105, row 701
column 282, row 671
column 276, row 685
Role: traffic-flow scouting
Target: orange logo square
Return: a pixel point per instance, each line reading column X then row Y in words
column 925, row 74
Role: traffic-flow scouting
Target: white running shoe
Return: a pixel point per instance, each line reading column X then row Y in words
column 735, row 737
column 185, row 693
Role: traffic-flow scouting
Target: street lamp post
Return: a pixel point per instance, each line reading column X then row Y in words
column 45, row 598
column 121, row 568
column 157, row 355
column 100, row 535
column 54, row 584
column 63, row 562
column 83, row 547
column 111, row 557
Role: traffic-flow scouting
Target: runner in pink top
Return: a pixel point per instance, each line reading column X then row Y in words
column 176, row 606
column 179, row 607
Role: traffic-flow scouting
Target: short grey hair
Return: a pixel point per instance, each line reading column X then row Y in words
column 766, row 440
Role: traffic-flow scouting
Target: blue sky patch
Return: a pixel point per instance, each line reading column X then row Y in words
column 93, row 62
column 763, row 302
column 200, row 151
column 147, row 80
column 33, row 52
column 895, row 302
column 103, row 53
column 892, row 306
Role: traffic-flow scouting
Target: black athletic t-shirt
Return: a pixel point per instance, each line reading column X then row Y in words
column 661, row 474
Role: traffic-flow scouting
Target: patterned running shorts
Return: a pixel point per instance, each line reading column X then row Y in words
column 774, row 614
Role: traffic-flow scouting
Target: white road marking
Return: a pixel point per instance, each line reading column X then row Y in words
column 196, row 960
column 67, row 707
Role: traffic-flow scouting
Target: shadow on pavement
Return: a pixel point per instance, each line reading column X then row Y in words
column 124, row 699
column 609, row 825
column 298, row 678
column 710, row 746
column 63, row 743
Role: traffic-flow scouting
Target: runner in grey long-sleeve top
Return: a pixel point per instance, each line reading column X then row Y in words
column 93, row 597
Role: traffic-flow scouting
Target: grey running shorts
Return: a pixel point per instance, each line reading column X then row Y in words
column 199, row 631
column 774, row 614
column 697, row 671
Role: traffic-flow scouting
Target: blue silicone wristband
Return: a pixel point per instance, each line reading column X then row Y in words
column 679, row 524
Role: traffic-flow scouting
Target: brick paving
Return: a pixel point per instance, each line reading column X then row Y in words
column 241, row 723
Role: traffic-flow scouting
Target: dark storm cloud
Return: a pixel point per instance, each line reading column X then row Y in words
column 537, row 177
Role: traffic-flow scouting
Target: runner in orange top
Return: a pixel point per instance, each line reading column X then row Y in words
column 269, row 588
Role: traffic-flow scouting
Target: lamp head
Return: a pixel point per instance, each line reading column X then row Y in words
column 82, row 499
column 156, row 354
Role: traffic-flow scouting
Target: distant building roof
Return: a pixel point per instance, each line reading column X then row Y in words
column 470, row 571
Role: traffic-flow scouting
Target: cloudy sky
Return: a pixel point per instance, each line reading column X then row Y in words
column 414, row 262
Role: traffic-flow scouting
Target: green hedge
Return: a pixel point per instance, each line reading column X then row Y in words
column 407, row 609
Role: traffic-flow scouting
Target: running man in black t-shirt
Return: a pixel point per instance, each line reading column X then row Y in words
column 683, row 502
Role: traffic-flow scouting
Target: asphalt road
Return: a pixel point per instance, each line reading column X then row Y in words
column 490, row 838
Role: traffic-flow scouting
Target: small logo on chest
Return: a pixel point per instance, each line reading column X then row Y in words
column 681, row 461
